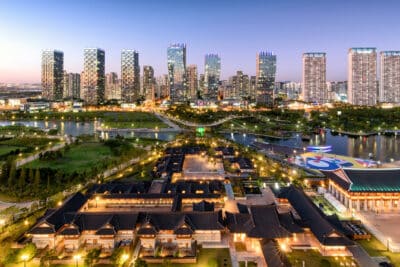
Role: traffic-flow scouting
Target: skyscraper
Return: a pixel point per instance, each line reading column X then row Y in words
column 112, row 86
column 314, row 77
column 72, row 85
column 92, row 80
column 389, row 87
column 212, row 72
column 149, row 83
column 176, row 55
column 130, row 76
column 265, row 76
column 362, row 87
column 192, row 80
column 240, row 86
column 52, row 74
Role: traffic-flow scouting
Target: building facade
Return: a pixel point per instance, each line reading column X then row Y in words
column 52, row 74
column 389, row 87
column 130, row 76
column 212, row 73
column 265, row 75
column 314, row 78
column 113, row 90
column 93, row 78
column 176, row 59
column 240, row 85
column 149, row 83
column 362, row 82
column 72, row 85
column 192, row 80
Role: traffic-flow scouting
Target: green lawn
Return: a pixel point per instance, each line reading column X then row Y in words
column 315, row 259
column 216, row 257
column 375, row 248
column 5, row 149
column 78, row 158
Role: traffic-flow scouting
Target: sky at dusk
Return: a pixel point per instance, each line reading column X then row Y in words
column 236, row 30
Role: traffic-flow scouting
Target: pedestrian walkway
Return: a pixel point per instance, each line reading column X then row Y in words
column 362, row 257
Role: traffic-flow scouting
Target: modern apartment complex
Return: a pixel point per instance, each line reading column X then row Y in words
column 389, row 87
column 52, row 74
column 93, row 78
column 314, row 77
column 362, row 81
column 149, row 83
column 192, row 80
column 130, row 76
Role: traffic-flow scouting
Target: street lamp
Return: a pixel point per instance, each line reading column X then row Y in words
column 77, row 257
column 24, row 258
column 124, row 258
column 97, row 199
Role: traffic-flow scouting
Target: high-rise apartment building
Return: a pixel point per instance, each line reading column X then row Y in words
column 149, row 83
column 265, row 75
column 192, row 81
column 362, row 83
column 130, row 76
column 112, row 86
column 314, row 77
column 93, row 78
column 72, row 85
column 240, row 85
column 212, row 73
column 176, row 57
column 52, row 74
column 389, row 86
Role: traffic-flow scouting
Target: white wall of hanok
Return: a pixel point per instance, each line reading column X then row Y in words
column 42, row 241
column 202, row 236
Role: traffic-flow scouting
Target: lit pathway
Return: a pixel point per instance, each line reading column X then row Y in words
column 362, row 257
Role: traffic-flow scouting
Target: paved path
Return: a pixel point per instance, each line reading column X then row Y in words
column 362, row 257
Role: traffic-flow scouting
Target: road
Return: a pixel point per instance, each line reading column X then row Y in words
column 362, row 257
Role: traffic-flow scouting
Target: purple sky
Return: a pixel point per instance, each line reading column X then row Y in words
column 236, row 30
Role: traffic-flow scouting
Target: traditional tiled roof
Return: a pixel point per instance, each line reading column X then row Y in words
column 203, row 206
column 374, row 180
column 273, row 256
column 61, row 216
column 313, row 218
column 262, row 222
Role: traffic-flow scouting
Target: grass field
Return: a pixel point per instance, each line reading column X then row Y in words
column 375, row 249
column 315, row 259
column 217, row 257
column 5, row 149
column 78, row 158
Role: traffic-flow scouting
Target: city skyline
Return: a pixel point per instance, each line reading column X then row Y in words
column 346, row 25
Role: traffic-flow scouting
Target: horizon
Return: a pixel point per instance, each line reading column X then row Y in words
column 231, row 29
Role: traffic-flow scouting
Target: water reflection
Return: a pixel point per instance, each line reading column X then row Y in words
column 382, row 147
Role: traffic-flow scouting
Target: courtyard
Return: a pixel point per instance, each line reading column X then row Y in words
column 199, row 167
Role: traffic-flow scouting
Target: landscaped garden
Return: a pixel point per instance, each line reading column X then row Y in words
column 210, row 257
column 55, row 171
column 313, row 258
column 376, row 249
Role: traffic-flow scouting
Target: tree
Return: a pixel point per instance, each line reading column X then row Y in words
column 12, row 175
column 92, row 256
column 36, row 182
column 22, row 179
column 140, row 263
column 31, row 176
